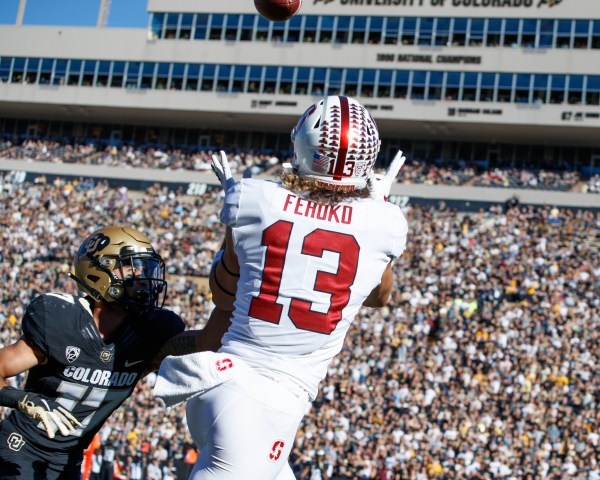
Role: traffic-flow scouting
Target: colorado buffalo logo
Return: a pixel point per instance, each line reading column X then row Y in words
column 106, row 356
column 95, row 243
column 15, row 442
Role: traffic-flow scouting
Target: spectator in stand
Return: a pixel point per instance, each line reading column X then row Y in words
column 133, row 468
column 153, row 471
column 96, row 466
column 593, row 185
column 169, row 471
column 109, row 457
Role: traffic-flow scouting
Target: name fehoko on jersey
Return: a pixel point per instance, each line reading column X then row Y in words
column 306, row 208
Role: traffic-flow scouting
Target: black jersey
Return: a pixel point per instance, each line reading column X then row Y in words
column 87, row 376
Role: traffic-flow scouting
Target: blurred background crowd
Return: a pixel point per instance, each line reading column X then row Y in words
column 483, row 366
column 418, row 171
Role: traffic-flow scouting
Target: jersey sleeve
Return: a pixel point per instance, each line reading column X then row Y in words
column 33, row 324
column 169, row 325
column 399, row 235
column 231, row 205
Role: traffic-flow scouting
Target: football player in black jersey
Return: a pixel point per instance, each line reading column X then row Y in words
column 85, row 354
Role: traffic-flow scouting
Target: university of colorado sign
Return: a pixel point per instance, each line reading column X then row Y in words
column 443, row 3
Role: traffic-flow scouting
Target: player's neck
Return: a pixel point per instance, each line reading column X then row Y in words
column 108, row 319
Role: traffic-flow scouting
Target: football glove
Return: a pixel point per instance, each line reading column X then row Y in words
column 49, row 412
column 381, row 185
column 220, row 166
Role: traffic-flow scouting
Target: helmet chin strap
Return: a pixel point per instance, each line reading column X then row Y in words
column 93, row 293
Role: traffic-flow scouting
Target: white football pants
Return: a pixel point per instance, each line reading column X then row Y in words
column 245, row 429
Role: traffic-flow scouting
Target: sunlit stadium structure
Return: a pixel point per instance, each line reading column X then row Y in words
column 492, row 82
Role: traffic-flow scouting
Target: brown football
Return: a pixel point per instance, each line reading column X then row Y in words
column 277, row 10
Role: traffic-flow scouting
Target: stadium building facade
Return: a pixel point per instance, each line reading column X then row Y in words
column 493, row 82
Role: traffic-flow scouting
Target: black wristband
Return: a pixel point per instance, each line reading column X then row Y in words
column 226, row 269
column 224, row 290
column 10, row 397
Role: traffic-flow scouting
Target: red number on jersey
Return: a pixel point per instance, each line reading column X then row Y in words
column 276, row 238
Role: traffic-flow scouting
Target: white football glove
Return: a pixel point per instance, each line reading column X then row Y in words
column 220, row 166
column 50, row 413
column 381, row 185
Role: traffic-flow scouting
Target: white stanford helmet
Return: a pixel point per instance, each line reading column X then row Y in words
column 336, row 142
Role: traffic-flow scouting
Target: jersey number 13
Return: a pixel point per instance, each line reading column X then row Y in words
column 276, row 238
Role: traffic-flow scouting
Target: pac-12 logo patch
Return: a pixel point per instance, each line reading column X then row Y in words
column 276, row 450
column 72, row 353
column 15, row 442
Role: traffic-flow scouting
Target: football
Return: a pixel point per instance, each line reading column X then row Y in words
column 277, row 10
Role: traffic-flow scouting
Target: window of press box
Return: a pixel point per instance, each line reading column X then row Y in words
column 232, row 27
column 132, row 76
column 31, row 70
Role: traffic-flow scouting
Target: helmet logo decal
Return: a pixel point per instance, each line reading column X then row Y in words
column 95, row 243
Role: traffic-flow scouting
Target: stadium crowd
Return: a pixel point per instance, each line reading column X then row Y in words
column 521, row 178
column 593, row 185
column 483, row 366
column 421, row 171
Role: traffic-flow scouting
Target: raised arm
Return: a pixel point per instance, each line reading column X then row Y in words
column 380, row 295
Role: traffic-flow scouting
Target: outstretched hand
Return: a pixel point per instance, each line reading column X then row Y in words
column 220, row 166
column 381, row 185
column 53, row 416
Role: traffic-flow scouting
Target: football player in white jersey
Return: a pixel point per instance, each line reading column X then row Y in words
column 311, row 250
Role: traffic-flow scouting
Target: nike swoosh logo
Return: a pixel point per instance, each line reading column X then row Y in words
column 131, row 364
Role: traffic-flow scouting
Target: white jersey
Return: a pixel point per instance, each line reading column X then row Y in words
column 305, row 270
